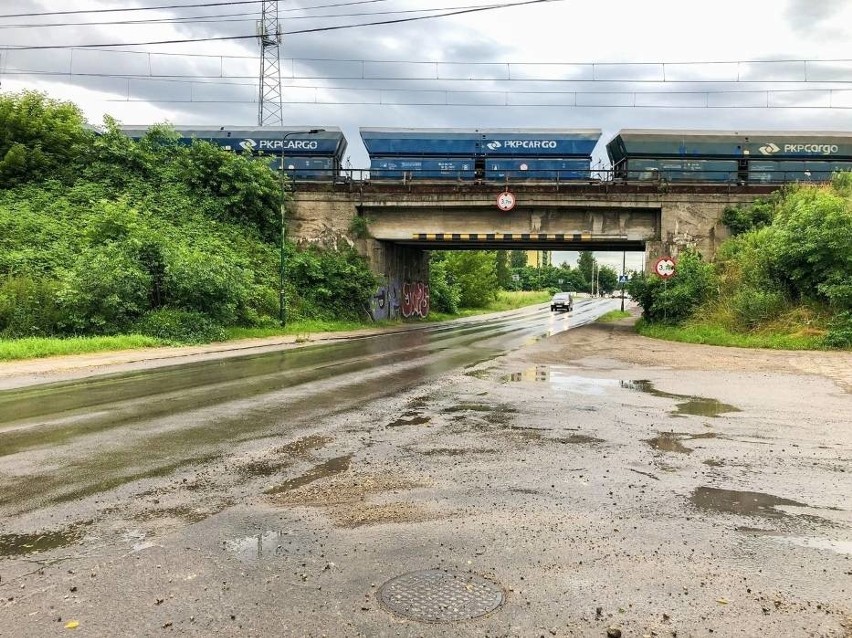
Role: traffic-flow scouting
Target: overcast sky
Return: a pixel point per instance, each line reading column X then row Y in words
column 526, row 66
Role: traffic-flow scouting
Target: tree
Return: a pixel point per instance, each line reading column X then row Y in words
column 475, row 273
column 518, row 258
column 504, row 275
column 586, row 265
column 607, row 279
column 40, row 139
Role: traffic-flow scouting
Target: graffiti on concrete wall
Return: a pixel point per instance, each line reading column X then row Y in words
column 385, row 303
column 415, row 300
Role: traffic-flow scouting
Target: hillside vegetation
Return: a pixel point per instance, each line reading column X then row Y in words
column 101, row 235
column 783, row 280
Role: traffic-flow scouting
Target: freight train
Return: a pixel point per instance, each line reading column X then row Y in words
column 543, row 155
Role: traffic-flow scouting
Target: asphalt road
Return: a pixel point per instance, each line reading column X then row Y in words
column 509, row 494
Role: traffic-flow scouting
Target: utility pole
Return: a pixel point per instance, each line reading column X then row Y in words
column 270, row 111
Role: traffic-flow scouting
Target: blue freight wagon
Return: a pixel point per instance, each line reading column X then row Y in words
column 466, row 153
column 761, row 156
column 537, row 169
column 309, row 155
column 412, row 168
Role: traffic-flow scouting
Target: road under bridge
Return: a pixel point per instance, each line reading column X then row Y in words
column 395, row 224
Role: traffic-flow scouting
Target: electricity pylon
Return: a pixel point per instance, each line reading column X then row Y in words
column 270, row 111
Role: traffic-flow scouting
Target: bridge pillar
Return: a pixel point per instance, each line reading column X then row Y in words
column 328, row 219
column 403, row 273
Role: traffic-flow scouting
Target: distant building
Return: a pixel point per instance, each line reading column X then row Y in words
column 539, row 258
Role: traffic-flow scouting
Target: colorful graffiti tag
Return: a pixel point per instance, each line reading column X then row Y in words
column 415, row 300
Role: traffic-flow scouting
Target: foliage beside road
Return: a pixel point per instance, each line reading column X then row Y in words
column 783, row 280
column 105, row 235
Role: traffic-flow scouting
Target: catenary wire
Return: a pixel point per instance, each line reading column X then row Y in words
column 232, row 17
column 296, row 32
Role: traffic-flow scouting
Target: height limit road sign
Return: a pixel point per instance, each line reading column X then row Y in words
column 665, row 267
column 505, row 201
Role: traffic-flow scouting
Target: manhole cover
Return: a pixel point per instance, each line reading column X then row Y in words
column 436, row 596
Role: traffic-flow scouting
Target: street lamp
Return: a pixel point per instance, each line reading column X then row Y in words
column 282, row 267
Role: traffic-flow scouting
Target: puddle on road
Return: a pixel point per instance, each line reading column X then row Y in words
column 668, row 442
column 742, row 503
column 416, row 420
column 561, row 377
column 693, row 406
column 331, row 467
column 264, row 545
column 565, row 381
column 671, row 442
column 24, row 544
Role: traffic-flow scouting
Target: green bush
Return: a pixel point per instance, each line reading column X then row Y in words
column 444, row 296
column 755, row 307
column 675, row 300
column 840, row 331
column 28, row 307
column 179, row 326
column 104, row 291
column 328, row 284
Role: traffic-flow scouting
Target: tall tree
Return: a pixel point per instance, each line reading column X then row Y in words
column 40, row 138
column 475, row 272
column 518, row 258
column 504, row 275
column 586, row 265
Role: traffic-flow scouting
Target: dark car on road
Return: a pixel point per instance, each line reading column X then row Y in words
column 562, row 301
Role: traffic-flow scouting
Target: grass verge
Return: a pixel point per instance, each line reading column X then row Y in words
column 36, row 347
column 613, row 315
column 506, row 300
column 718, row 336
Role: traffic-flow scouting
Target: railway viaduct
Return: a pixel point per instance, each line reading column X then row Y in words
column 395, row 224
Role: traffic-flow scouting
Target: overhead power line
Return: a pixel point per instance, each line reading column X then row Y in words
column 236, row 80
column 228, row 17
column 39, row 14
column 297, row 32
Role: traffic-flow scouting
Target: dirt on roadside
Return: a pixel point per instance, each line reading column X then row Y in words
column 619, row 341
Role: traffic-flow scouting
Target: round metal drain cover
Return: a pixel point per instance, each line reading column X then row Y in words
column 434, row 595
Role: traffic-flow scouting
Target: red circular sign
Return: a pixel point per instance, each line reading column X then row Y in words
column 505, row 201
column 665, row 267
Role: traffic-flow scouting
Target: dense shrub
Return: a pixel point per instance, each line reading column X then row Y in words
column 28, row 307
column 329, row 284
column 840, row 331
column 179, row 326
column 444, row 296
column 675, row 300
column 475, row 274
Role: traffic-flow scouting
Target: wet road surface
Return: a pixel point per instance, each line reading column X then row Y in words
column 287, row 494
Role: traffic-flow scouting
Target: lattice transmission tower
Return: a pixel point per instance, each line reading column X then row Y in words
column 270, row 111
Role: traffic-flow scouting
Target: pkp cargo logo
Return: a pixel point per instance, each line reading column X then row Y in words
column 523, row 144
column 770, row 149
column 248, row 145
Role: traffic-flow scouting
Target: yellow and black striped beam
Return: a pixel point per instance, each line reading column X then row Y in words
column 502, row 236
